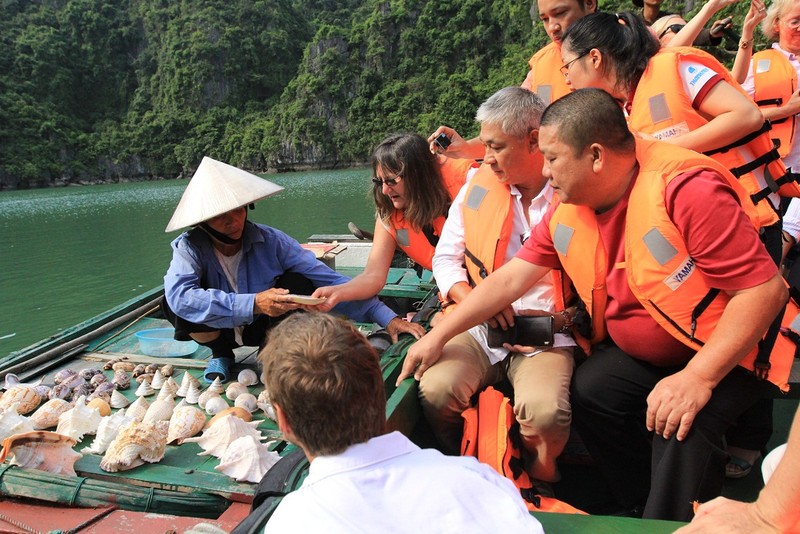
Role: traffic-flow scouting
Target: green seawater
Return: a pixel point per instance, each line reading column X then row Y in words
column 68, row 254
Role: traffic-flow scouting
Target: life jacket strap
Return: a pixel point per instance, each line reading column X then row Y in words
column 767, row 126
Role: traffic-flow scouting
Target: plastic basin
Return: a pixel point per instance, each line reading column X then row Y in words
column 160, row 342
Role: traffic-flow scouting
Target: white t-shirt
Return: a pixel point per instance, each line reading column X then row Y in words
column 389, row 485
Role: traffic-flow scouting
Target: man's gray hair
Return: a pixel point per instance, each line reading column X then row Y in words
column 516, row 110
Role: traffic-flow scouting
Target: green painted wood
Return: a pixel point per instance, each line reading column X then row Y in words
column 599, row 524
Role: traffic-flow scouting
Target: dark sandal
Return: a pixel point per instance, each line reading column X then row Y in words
column 218, row 367
column 737, row 467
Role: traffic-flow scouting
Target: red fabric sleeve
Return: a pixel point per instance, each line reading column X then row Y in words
column 720, row 238
column 538, row 248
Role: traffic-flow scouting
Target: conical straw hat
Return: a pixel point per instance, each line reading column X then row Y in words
column 217, row 188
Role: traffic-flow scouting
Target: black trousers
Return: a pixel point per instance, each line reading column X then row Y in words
column 609, row 402
column 253, row 334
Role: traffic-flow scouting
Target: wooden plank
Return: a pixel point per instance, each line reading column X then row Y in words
column 187, row 363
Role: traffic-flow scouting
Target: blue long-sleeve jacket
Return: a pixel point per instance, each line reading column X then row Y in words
column 267, row 254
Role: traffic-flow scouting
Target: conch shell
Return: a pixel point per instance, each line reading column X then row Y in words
column 136, row 444
column 79, row 420
column 107, row 432
column 13, row 423
column 186, row 421
column 247, row 460
column 48, row 413
column 216, row 438
column 45, row 451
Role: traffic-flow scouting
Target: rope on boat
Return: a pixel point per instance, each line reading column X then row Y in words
column 88, row 492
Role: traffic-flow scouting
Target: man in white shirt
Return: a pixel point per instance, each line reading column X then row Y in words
column 326, row 385
column 505, row 197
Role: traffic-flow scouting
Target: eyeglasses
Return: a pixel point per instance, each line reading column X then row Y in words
column 391, row 182
column 674, row 28
column 565, row 67
column 792, row 24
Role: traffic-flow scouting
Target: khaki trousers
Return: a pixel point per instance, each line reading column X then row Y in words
column 541, row 397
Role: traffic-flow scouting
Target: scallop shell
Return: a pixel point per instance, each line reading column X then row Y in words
column 47, row 414
column 216, row 438
column 247, row 401
column 215, row 405
column 136, row 444
column 168, row 370
column 158, row 380
column 216, row 386
column 205, row 396
column 108, row 430
column 247, row 460
column 160, row 410
column 24, row 397
column 79, row 420
column 144, row 389
column 186, row 421
column 241, row 413
column 193, row 393
column 247, row 377
column 45, row 451
column 138, row 408
column 101, row 405
column 118, row 400
column 13, row 423
column 234, row 390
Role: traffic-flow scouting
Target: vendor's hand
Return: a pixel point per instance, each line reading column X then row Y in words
column 457, row 142
column 274, row 302
column 419, row 357
column 398, row 326
column 724, row 516
column 674, row 403
column 331, row 294
column 503, row 319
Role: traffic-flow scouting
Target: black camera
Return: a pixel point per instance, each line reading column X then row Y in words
column 442, row 141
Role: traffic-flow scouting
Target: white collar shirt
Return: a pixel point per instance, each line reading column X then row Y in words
column 449, row 261
column 390, row 485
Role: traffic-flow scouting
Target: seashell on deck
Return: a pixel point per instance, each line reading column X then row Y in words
column 247, row 459
column 25, row 398
column 45, row 451
column 107, row 432
column 136, row 444
column 79, row 420
column 186, row 421
column 13, row 423
column 216, row 438
column 46, row 416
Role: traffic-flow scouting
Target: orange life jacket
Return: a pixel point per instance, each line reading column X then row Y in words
column 661, row 274
column 491, row 434
column 661, row 108
column 547, row 81
column 488, row 219
column 775, row 81
column 413, row 241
